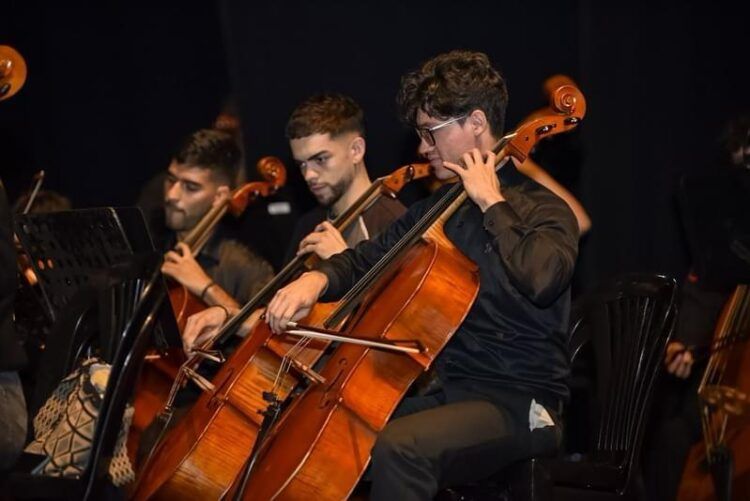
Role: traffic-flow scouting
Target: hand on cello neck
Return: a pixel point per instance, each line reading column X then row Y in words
column 479, row 177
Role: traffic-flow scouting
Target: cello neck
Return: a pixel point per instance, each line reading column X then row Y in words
column 198, row 236
column 733, row 327
column 431, row 223
column 380, row 187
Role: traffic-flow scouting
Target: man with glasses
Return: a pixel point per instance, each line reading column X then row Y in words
column 528, row 168
column 427, row 134
column 504, row 372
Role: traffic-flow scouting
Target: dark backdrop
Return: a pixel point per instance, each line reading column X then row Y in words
column 112, row 89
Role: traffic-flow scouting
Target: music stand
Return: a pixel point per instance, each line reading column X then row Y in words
column 66, row 249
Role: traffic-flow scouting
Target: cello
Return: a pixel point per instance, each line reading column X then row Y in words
column 161, row 367
column 201, row 456
column 321, row 445
column 719, row 467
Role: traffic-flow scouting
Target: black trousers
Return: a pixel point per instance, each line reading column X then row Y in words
column 438, row 441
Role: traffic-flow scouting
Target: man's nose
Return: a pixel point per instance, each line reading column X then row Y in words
column 424, row 148
column 174, row 192
column 310, row 175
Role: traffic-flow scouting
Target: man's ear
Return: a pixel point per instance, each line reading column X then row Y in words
column 478, row 122
column 222, row 193
column 357, row 149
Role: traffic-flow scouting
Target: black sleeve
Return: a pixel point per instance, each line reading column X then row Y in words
column 539, row 250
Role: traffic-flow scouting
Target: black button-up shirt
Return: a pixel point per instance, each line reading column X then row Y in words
column 514, row 337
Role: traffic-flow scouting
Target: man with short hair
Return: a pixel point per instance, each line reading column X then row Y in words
column 200, row 176
column 327, row 137
column 326, row 134
column 504, row 371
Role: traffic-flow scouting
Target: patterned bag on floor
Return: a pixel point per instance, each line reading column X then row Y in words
column 64, row 426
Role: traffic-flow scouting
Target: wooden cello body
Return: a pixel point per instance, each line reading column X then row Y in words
column 322, row 445
column 202, row 455
column 724, row 399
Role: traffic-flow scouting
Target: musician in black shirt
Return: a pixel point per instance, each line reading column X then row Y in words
column 504, row 371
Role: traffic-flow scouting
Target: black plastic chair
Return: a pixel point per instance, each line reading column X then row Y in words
column 624, row 328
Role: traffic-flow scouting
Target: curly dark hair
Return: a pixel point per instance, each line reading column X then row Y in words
column 214, row 150
column 454, row 84
column 334, row 114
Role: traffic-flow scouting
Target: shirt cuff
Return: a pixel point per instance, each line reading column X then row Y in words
column 326, row 269
column 499, row 217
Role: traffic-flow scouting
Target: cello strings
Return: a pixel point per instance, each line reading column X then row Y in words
column 716, row 362
column 735, row 305
column 286, row 361
column 714, row 421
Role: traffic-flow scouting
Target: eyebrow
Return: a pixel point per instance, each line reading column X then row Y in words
column 311, row 157
column 172, row 175
column 317, row 155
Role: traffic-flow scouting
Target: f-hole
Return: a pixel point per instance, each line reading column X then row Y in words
column 330, row 394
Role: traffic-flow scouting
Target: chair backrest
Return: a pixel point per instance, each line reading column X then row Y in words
column 626, row 325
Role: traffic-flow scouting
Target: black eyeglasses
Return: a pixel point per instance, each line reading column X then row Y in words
column 427, row 135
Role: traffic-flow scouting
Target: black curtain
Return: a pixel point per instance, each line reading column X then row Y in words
column 662, row 82
column 112, row 88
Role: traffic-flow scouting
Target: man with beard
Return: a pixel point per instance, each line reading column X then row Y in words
column 200, row 176
column 327, row 137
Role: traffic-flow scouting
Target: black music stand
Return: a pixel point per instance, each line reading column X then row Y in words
column 68, row 249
